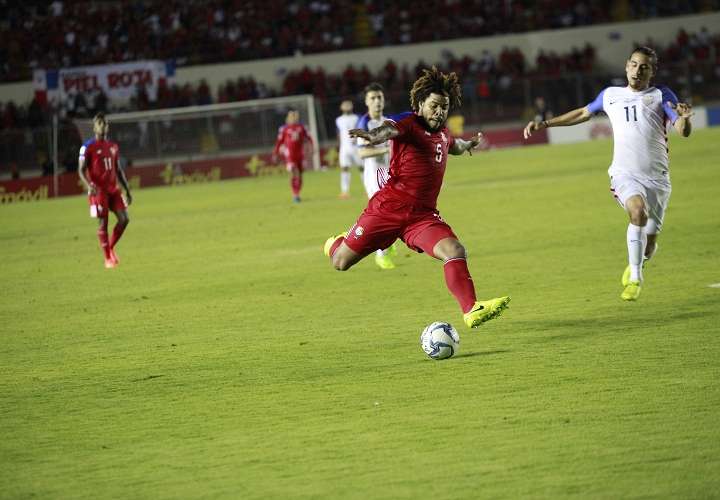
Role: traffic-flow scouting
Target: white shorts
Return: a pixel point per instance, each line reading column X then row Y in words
column 349, row 158
column 374, row 179
column 655, row 192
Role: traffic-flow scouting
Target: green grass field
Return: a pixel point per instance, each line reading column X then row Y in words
column 224, row 358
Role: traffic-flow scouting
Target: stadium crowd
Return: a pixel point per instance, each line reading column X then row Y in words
column 65, row 34
column 488, row 73
column 493, row 81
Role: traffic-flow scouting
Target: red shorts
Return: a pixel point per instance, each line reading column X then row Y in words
column 103, row 202
column 386, row 219
column 290, row 164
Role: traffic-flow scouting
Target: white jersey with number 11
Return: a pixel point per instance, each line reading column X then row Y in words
column 640, row 123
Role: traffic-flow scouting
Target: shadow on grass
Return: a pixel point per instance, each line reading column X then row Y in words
column 483, row 353
column 576, row 328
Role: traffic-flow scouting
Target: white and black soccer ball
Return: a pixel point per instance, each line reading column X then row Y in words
column 440, row 340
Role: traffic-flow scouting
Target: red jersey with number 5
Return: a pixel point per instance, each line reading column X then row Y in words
column 292, row 137
column 101, row 160
column 417, row 160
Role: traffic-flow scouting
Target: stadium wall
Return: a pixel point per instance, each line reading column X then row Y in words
column 165, row 174
column 177, row 173
column 211, row 170
column 612, row 43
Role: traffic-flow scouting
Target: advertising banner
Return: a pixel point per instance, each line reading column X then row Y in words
column 161, row 174
column 118, row 81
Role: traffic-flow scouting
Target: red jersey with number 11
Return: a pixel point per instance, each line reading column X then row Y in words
column 417, row 160
column 292, row 137
column 101, row 159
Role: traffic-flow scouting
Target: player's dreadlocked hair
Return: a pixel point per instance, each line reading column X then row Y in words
column 434, row 81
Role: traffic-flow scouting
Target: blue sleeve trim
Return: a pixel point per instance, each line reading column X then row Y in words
column 597, row 105
column 669, row 96
column 400, row 116
column 363, row 122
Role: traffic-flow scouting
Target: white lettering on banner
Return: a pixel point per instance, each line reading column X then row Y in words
column 118, row 81
column 130, row 78
column 79, row 83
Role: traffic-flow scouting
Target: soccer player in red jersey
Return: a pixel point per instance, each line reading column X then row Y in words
column 99, row 172
column 406, row 207
column 291, row 139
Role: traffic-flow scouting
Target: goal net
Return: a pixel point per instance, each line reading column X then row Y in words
column 205, row 132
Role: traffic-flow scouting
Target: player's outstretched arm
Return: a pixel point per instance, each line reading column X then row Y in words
column 124, row 182
column 573, row 117
column 82, row 165
column 276, row 148
column 372, row 152
column 377, row 135
column 682, row 124
column 461, row 145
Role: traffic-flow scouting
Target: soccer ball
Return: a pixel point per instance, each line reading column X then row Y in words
column 440, row 340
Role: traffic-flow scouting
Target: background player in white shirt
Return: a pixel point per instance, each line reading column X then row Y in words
column 347, row 152
column 376, row 159
column 639, row 172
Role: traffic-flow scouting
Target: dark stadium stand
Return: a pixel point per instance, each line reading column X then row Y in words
column 62, row 34
column 66, row 34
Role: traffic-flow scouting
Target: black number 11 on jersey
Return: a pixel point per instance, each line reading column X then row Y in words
column 634, row 113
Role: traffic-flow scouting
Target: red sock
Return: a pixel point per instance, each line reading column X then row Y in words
column 460, row 283
column 335, row 246
column 117, row 233
column 295, row 184
column 103, row 237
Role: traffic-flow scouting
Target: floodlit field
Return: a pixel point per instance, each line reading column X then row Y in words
column 224, row 358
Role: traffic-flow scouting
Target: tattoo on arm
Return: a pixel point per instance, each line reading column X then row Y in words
column 382, row 133
column 459, row 147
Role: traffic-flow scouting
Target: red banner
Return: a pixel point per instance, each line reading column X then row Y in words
column 196, row 171
column 167, row 174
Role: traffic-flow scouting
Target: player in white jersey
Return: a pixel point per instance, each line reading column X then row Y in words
column 347, row 152
column 639, row 172
column 376, row 159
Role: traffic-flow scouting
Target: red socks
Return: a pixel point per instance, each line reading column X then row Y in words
column 103, row 237
column 118, row 230
column 460, row 283
column 296, row 185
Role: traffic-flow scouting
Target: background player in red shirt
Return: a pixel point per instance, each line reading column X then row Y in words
column 98, row 170
column 291, row 141
column 406, row 207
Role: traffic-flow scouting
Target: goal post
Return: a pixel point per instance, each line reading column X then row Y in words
column 210, row 131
